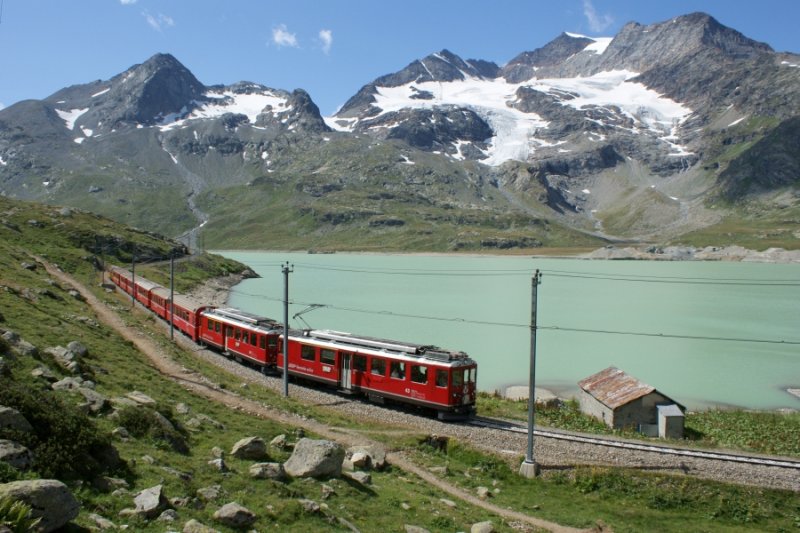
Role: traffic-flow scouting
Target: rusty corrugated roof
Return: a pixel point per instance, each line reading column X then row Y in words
column 614, row 388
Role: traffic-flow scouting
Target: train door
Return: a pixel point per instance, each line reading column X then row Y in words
column 344, row 372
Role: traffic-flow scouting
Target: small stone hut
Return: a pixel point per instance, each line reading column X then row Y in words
column 622, row 401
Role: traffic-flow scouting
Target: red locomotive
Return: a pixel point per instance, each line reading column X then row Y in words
column 381, row 369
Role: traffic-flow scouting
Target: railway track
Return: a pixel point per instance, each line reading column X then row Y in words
column 503, row 425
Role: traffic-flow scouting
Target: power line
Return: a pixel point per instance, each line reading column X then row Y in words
column 527, row 326
column 554, row 273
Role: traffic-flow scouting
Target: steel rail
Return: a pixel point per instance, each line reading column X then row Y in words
column 666, row 450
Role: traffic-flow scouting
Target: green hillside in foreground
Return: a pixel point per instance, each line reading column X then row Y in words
column 171, row 441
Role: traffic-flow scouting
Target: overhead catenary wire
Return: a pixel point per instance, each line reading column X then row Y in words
column 636, row 278
column 554, row 328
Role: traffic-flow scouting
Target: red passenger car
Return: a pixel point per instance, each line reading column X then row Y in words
column 240, row 334
column 425, row 376
column 122, row 278
column 188, row 315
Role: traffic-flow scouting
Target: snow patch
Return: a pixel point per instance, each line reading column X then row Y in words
column 250, row 105
column 104, row 91
column 3, row 162
column 586, row 191
column 599, row 45
column 79, row 140
column 86, row 131
column 515, row 132
column 69, row 117
column 735, row 122
column 795, row 65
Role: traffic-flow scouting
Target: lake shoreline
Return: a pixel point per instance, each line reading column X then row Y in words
column 611, row 252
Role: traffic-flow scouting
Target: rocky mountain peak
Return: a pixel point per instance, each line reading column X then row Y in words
column 524, row 66
column 159, row 86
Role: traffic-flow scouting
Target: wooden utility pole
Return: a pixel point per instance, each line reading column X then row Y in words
column 529, row 468
column 286, row 269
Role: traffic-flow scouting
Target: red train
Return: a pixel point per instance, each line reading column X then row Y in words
column 381, row 369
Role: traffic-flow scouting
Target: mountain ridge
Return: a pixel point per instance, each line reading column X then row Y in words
column 583, row 132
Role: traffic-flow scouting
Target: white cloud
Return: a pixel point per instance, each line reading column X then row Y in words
column 597, row 22
column 282, row 37
column 157, row 22
column 127, row 2
column 326, row 36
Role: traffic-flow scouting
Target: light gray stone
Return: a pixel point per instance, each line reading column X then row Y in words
column 315, row 458
column 78, row 349
column 150, row 502
column 101, row 522
column 482, row 527
column 193, row 526
column 15, row 454
column 234, row 515
column 210, row 493
column 309, row 506
column 49, row 499
column 141, row 398
column 279, row 442
column 250, row 448
column 360, row 477
column 268, row 471
column 483, row 493
column 415, row 529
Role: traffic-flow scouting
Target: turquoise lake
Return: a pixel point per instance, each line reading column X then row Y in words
column 703, row 333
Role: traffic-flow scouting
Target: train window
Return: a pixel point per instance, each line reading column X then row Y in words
column 472, row 374
column 254, row 339
column 216, row 326
column 273, row 341
column 327, row 356
column 360, row 363
column 378, row 366
column 398, row 370
column 262, row 342
column 237, row 333
column 210, row 325
column 419, row 374
column 458, row 378
column 244, row 337
column 307, row 353
column 441, row 378
column 229, row 331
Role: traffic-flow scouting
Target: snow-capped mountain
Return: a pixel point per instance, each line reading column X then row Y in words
column 634, row 136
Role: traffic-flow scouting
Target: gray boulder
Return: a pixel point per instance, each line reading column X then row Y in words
column 482, row 527
column 141, row 398
column 234, row 515
column 415, row 529
column 44, row 373
column 67, row 383
column 16, row 455
column 366, row 457
column 25, row 349
column 150, row 502
column 78, row 349
column 267, row 471
column 279, row 442
column 315, row 458
column 13, row 419
column 95, row 402
column 193, row 526
column 65, row 358
column 250, row 448
column 49, row 499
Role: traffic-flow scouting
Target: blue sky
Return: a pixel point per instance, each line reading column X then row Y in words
column 328, row 47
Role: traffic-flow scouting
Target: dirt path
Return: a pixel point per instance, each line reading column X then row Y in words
column 196, row 384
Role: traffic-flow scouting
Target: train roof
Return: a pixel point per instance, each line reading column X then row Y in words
column 237, row 316
column 385, row 346
column 146, row 284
